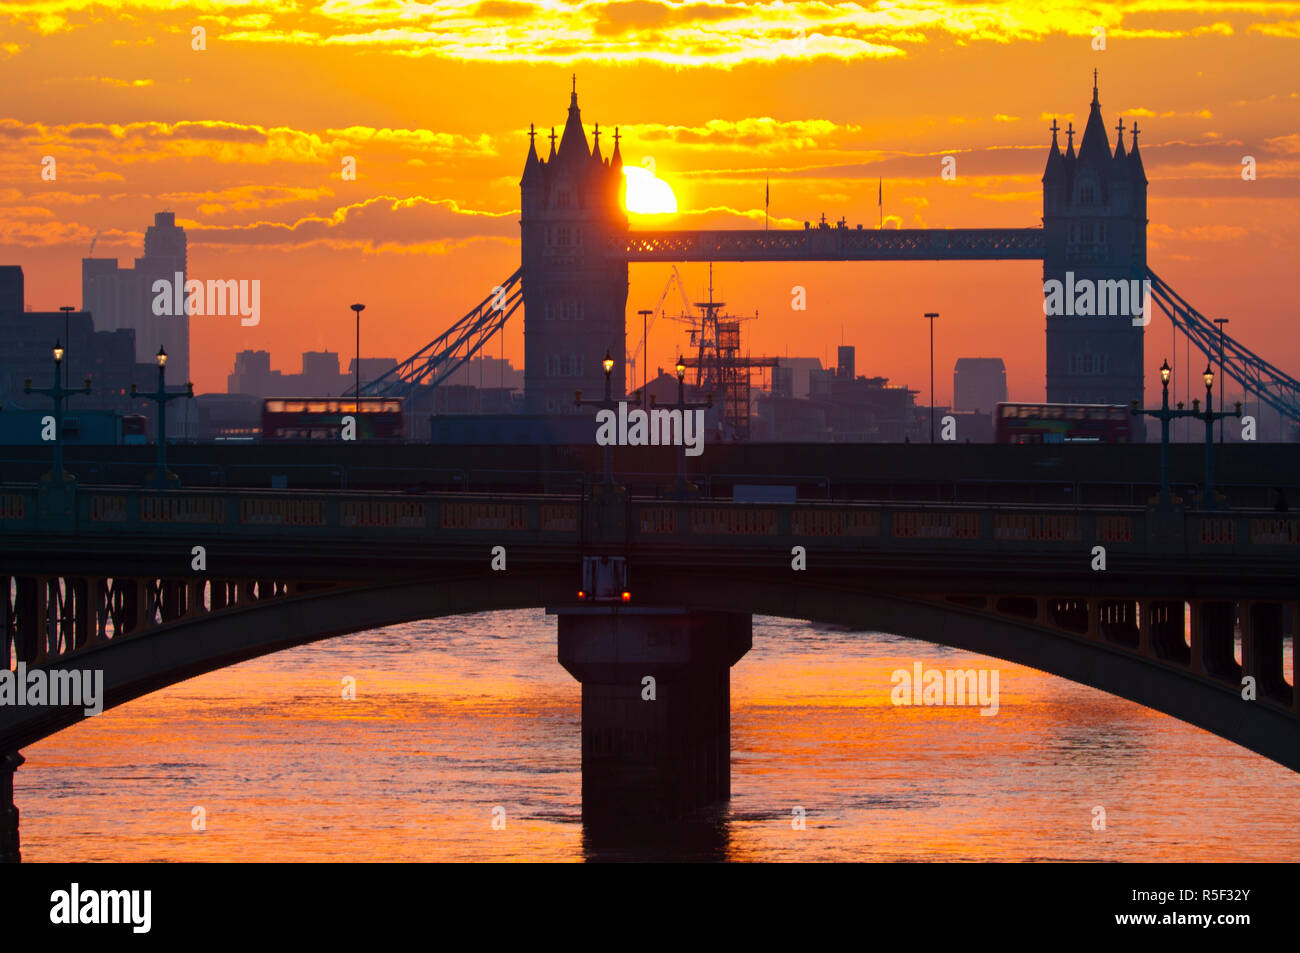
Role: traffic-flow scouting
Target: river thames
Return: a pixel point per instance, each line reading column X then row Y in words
column 459, row 721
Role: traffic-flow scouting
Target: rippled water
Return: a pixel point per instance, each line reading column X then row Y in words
column 456, row 717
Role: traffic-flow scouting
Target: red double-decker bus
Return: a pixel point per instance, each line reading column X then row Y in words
column 321, row 418
column 1062, row 423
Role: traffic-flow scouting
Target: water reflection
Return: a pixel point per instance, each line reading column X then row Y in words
column 457, row 717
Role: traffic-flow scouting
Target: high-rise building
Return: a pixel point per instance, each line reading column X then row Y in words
column 106, row 357
column 575, row 294
column 123, row 297
column 845, row 370
column 978, row 384
column 11, row 288
column 1094, row 228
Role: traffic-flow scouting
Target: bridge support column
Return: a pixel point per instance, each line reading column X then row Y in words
column 1293, row 610
column 656, row 710
column 1197, row 638
column 1218, row 641
column 1261, row 649
column 9, row 853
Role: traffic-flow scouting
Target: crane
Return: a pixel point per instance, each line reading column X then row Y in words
column 676, row 278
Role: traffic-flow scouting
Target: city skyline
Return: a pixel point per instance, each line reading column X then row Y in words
column 433, row 213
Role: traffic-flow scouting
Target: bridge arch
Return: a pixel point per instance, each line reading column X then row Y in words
column 136, row 665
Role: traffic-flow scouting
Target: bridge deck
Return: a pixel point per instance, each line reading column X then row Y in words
column 832, row 244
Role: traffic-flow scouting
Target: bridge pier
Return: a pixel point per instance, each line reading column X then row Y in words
column 9, row 853
column 1218, row 640
column 656, row 709
column 1262, row 633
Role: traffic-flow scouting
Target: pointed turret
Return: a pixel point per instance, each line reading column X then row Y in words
column 532, row 165
column 1055, row 162
column 1121, row 158
column 573, row 141
column 595, row 149
column 1136, row 171
column 1095, row 147
column 551, row 157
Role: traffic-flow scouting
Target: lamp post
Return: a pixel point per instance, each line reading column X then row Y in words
column 57, row 393
column 932, row 315
column 684, row 406
column 67, row 310
column 356, row 405
column 645, row 346
column 607, row 403
column 1164, row 415
column 1210, row 417
column 1223, row 378
column 160, row 397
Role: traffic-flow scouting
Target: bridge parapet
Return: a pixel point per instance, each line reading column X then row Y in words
column 132, row 515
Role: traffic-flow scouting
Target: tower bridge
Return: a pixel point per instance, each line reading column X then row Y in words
column 576, row 245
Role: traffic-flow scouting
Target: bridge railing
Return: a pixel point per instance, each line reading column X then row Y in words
column 651, row 523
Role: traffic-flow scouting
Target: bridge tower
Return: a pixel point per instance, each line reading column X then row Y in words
column 575, row 295
column 1095, row 230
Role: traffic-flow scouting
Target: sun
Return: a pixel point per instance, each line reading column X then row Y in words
column 647, row 194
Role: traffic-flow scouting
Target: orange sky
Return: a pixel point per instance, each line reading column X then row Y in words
column 244, row 140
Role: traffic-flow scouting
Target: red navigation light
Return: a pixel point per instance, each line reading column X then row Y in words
column 581, row 595
column 627, row 596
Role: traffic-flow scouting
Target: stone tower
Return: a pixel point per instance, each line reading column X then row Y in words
column 575, row 294
column 1095, row 230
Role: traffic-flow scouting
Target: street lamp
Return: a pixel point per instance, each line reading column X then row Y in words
column 1220, row 322
column 57, row 393
column 1164, row 415
column 932, row 315
column 356, row 406
column 161, row 396
column 67, row 310
column 1210, row 417
column 608, row 403
column 645, row 346
column 682, row 405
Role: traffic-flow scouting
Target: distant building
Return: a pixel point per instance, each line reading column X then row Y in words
column 840, row 406
column 11, row 288
column 844, row 369
column 490, row 372
column 782, row 381
column 122, row 298
column 106, row 357
column 320, row 376
column 229, row 417
column 979, row 384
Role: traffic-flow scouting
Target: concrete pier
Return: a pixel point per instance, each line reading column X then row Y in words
column 9, row 852
column 656, row 709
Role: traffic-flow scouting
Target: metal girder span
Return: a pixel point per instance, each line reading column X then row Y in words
column 1271, row 384
column 832, row 244
column 442, row 356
